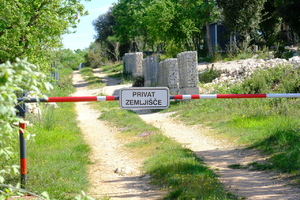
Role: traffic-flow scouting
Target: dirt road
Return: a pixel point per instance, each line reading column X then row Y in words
column 113, row 173
column 108, row 155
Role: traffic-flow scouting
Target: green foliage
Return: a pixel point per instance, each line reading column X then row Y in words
column 138, row 81
column 289, row 11
column 168, row 25
column 58, row 156
column 33, row 29
column 69, row 59
column 15, row 78
column 208, row 75
column 270, row 24
column 283, row 78
column 242, row 18
column 95, row 56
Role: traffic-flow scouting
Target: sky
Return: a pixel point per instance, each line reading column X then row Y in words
column 85, row 32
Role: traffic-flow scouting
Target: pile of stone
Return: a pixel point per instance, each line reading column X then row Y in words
column 236, row 71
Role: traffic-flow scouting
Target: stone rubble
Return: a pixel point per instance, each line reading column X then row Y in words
column 236, row 71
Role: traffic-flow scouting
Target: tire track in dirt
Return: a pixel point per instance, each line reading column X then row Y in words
column 254, row 185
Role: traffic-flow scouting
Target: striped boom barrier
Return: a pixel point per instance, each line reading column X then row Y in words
column 23, row 163
column 182, row 97
column 235, row 96
column 69, row 99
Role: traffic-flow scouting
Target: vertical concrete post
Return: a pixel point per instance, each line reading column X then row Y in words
column 188, row 73
column 150, row 67
column 137, row 67
column 173, row 75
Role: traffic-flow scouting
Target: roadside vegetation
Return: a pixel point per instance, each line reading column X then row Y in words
column 116, row 71
column 58, row 155
column 270, row 125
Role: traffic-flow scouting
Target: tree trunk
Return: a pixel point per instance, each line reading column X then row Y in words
column 209, row 43
column 208, row 38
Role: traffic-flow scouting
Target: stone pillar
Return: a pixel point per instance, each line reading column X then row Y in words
column 188, row 73
column 172, row 75
column 160, row 75
column 150, row 67
column 137, row 69
column 168, row 75
column 132, row 64
column 127, row 64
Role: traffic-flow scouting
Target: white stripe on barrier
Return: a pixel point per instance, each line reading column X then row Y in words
column 208, row 96
column 186, row 96
column 101, row 98
column 291, row 95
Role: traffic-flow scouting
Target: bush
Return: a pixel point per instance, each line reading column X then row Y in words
column 208, row 75
column 138, row 81
column 15, row 78
column 283, row 78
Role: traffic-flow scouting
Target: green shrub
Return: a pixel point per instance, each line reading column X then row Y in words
column 283, row 78
column 208, row 75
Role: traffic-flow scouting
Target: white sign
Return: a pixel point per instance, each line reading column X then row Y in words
column 144, row 98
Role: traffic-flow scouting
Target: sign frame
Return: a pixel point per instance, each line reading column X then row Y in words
column 144, row 98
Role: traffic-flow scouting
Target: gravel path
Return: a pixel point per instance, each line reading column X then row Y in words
column 113, row 172
column 108, row 155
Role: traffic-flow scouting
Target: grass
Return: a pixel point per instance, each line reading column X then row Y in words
column 58, row 156
column 116, row 71
column 93, row 81
column 171, row 166
column 112, row 69
column 270, row 125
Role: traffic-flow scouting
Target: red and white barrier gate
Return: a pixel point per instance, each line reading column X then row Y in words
column 137, row 98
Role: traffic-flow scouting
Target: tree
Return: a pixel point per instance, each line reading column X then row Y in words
column 33, row 28
column 270, row 23
column 242, row 17
column 95, row 56
column 208, row 7
column 289, row 11
column 129, row 27
column 69, row 58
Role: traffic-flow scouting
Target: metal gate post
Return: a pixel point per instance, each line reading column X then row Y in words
column 23, row 161
column 22, row 109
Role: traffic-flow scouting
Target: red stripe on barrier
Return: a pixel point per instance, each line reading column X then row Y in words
column 241, row 96
column 23, row 166
column 72, row 99
column 110, row 98
column 177, row 96
column 195, row 96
